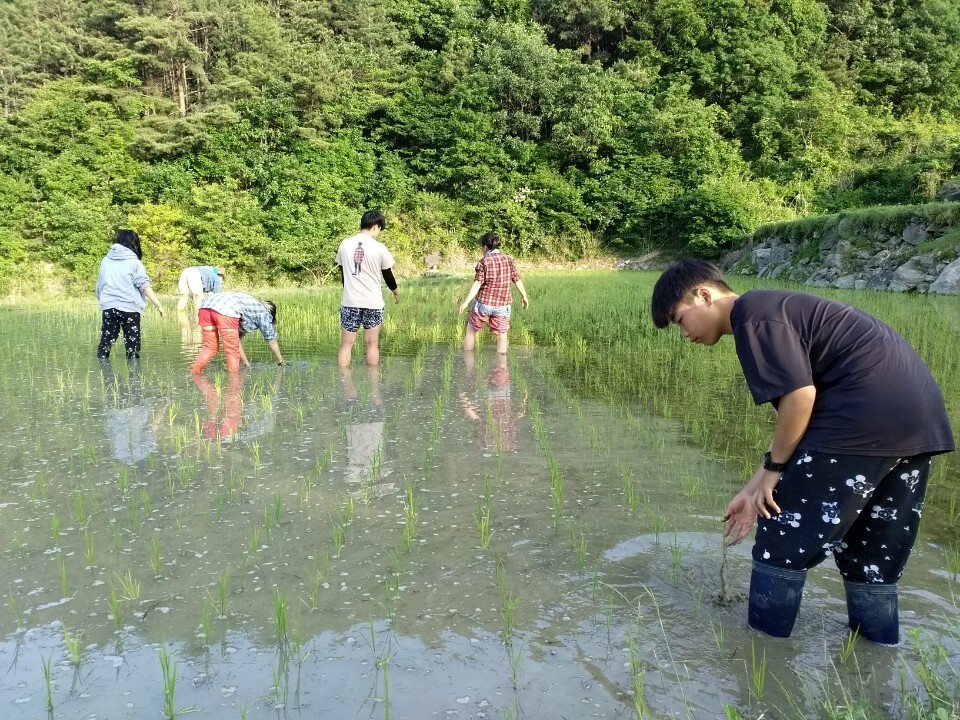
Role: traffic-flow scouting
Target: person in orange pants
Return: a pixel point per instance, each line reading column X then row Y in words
column 227, row 317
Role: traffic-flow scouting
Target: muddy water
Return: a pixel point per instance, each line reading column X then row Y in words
column 340, row 516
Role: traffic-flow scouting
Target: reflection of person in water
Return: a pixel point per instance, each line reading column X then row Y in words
column 226, row 424
column 364, row 435
column 227, row 418
column 494, row 417
column 129, row 421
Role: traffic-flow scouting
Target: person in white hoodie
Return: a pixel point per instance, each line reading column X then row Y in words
column 123, row 288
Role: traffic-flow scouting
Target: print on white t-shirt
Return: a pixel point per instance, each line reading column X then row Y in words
column 363, row 259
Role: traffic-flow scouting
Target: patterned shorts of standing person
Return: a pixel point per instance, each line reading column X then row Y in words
column 351, row 318
column 498, row 318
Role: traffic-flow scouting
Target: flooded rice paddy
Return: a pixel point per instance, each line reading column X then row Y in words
column 448, row 536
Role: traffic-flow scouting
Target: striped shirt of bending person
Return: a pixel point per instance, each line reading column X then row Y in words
column 252, row 313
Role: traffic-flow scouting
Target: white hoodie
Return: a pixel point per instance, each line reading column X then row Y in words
column 122, row 281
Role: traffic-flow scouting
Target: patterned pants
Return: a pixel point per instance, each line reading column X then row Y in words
column 113, row 321
column 864, row 510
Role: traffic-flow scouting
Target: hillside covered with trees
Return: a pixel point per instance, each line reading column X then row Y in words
column 252, row 132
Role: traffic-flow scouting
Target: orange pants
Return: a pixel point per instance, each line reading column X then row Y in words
column 214, row 329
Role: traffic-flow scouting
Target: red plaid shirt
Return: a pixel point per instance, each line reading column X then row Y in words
column 495, row 272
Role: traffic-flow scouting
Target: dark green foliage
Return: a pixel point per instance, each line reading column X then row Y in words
column 252, row 134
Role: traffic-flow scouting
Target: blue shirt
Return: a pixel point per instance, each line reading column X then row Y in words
column 252, row 313
column 210, row 279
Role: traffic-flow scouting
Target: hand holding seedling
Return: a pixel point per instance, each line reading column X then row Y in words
column 756, row 498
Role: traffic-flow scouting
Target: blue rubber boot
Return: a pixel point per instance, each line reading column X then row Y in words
column 775, row 594
column 872, row 609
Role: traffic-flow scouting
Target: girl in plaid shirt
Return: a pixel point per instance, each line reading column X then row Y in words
column 491, row 288
column 225, row 318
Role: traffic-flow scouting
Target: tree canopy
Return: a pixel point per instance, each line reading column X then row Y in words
column 251, row 133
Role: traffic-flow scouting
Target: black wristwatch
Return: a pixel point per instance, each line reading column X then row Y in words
column 769, row 464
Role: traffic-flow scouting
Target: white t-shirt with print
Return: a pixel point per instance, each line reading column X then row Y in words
column 363, row 258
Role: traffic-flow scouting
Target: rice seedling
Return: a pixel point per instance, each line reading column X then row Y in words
column 122, row 481
column 136, row 521
column 317, row 577
column 484, row 510
column 410, row 516
column 516, row 660
column 47, row 682
column 205, row 621
column 78, row 508
column 15, row 609
column 156, row 561
column 253, row 544
column 64, row 584
column 509, row 603
column 55, row 528
column 630, row 492
column 169, row 670
column 221, row 602
column 718, row 635
column 277, row 507
column 89, row 547
column 339, row 538
column 116, row 610
column 255, row 452
column 267, row 523
column 758, row 671
column 581, row 549
column 145, row 498
column 280, row 615
column 74, row 649
column 848, row 645
column 676, row 559
column 953, row 560
column 129, row 585
column 638, row 688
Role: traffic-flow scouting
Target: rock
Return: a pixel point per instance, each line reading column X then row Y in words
column 846, row 282
column 948, row 282
column 906, row 277
column 914, row 234
column 950, row 191
column 880, row 280
column 764, row 258
column 433, row 260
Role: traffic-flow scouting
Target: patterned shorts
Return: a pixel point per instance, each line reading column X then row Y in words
column 498, row 318
column 351, row 318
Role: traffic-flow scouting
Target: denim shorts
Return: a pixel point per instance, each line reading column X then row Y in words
column 351, row 318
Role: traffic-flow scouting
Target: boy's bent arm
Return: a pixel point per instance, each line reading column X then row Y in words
column 756, row 498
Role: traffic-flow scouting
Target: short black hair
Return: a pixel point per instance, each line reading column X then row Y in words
column 372, row 218
column 678, row 282
column 130, row 240
column 271, row 307
column 490, row 240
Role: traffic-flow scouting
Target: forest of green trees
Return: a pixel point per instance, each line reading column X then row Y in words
column 253, row 132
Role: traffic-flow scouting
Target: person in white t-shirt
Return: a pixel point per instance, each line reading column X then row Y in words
column 363, row 261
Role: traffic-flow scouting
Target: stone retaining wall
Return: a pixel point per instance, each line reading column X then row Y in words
column 899, row 249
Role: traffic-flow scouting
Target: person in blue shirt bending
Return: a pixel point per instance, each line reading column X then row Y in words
column 196, row 281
